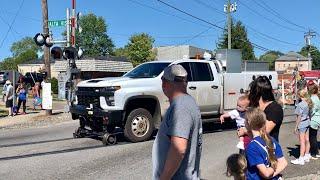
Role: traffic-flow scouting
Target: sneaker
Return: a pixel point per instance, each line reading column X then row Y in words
column 318, row 156
column 240, row 145
column 307, row 157
column 299, row 161
column 314, row 157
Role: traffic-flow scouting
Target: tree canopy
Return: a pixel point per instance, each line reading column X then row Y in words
column 239, row 40
column 94, row 39
column 315, row 55
column 270, row 57
column 139, row 49
column 22, row 51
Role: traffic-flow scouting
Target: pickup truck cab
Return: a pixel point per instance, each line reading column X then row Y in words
column 136, row 103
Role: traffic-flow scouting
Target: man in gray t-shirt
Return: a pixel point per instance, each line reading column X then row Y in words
column 177, row 148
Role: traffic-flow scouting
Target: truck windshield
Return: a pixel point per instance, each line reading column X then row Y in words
column 148, row 70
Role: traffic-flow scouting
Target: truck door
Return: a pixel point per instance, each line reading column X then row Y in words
column 207, row 89
column 191, row 89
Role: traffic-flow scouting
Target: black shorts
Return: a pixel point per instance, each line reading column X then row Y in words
column 9, row 103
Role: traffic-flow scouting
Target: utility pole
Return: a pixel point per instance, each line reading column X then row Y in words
column 229, row 23
column 229, row 8
column 307, row 36
column 46, row 55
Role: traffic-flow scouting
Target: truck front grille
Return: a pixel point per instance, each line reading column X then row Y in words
column 87, row 100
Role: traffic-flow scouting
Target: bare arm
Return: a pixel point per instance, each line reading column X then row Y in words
column 282, row 163
column 297, row 123
column 223, row 116
column 269, row 126
column 175, row 156
column 265, row 172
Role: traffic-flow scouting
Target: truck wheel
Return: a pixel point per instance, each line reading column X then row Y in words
column 139, row 125
column 109, row 139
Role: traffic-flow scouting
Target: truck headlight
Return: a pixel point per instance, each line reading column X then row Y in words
column 109, row 94
column 110, row 89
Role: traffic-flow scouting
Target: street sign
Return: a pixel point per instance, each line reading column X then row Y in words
column 57, row 23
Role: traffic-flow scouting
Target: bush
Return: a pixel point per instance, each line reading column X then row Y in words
column 54, row 85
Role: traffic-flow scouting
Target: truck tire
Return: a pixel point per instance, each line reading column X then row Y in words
column 139, row 125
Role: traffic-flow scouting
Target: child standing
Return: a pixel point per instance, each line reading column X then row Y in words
column 237, row 166
column 239, row 115
column 264, row 154
column 302, row 127
column 22, row 97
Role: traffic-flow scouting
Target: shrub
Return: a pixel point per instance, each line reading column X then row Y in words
column 54, row 85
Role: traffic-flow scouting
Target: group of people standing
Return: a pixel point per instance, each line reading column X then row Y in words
column 178, row 144
column 308, row 123
column 261, row 156
column 21, row 93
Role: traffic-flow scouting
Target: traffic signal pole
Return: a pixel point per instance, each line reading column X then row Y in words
column 73, row 24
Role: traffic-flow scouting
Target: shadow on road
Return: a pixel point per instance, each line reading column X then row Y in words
column 294, row 151
column 51, row 152
column 217, row 127
column 31, row 143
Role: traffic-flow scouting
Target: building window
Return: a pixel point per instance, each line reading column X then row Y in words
column 284, row 65
column 289, row 65
column 301, row 65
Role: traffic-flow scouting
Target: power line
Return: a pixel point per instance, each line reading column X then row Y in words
column 270, row 37
column 184, row 12
column 186, row 41
column 10, row 27
column 214, row 25
column 274, row 22
column 166, row 13
column 262, row 34
column 209, row 7
column 4, row 21
column 274, row 12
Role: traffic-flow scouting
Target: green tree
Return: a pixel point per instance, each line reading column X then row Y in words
column 139, row 48
column 93, row 38
column 121, row 52
column 315, row 55
column 11, row 63
column 8, row 64
column 239, row 40
column 270, row 57
column 23, row 45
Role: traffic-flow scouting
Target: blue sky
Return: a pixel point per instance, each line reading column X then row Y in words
column 169, row 27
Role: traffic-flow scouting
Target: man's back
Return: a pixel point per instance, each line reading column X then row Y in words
column 183, row 119
column 9, row 92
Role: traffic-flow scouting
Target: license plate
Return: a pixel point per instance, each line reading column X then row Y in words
column 90, row 112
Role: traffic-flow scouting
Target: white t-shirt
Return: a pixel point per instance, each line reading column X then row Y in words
column 234, row 114
column 9, row 92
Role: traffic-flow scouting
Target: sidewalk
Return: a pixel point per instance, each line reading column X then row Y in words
column 34, row 118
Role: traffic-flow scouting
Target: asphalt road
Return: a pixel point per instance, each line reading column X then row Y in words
column 52, row 153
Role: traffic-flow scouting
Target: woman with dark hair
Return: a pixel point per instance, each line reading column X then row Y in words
column 261, row 96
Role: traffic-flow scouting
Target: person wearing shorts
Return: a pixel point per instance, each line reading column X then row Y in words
column 9, row 97
column 302, row 127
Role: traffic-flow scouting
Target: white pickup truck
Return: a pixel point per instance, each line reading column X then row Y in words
column 136, row 103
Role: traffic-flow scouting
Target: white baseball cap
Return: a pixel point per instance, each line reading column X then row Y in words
column 175, row 73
